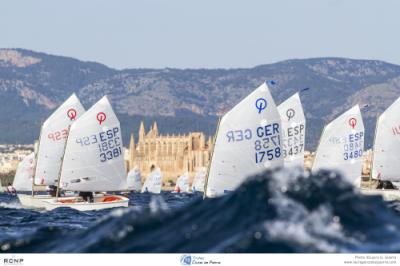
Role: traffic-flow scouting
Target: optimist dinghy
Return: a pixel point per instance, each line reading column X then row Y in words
column 385, row 172
column 182, row 184
column 341, row 146
column 53, row 136
column 24, row 175
column 153, row 182
column 134, row 180
column 248, row 141
column 199, row 180
column 93, row 161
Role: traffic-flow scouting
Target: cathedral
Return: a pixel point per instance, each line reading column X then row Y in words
column 173, row 154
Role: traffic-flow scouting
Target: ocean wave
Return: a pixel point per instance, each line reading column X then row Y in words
column 276, row 211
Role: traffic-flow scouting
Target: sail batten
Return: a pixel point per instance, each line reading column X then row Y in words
column 247, row 142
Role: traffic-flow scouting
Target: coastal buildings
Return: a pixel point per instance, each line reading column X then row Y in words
column 11, row 155
column 174, row 154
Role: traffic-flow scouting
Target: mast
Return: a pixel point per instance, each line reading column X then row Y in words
column 62, row 160
column 36, row 161
column 373, row 152
column 319, row 143
column 212, row 153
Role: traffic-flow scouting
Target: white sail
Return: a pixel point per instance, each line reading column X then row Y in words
column 199, row 180
column 385, row 164
column 23, row 176
column 293, row 131
column 182, row 183
column 247, row 142
column 94, row 158
column 53, row 136
column 153, row 182
column 134, row 180
column 341, row 145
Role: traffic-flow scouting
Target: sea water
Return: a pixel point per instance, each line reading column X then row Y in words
column 282, row 211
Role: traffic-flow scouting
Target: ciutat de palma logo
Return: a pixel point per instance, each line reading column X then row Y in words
column 198, row 260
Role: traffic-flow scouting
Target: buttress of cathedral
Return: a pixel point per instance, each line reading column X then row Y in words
column 173, row 154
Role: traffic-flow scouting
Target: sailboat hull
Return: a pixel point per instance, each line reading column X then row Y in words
column 100, row 203
column 37, row 201
column 387, row 195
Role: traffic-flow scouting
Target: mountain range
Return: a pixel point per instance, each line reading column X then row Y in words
column 33, row 84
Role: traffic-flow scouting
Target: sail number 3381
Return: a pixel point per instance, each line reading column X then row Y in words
column 108, row 143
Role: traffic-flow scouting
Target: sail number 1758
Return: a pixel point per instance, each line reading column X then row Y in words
column 269, row 155
column 267, row 149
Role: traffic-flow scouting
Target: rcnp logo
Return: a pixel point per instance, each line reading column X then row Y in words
column 186, row 260
column 13, row 261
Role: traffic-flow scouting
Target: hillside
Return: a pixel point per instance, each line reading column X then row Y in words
column 32, row 84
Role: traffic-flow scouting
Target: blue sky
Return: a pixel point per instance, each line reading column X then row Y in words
column 203, row 33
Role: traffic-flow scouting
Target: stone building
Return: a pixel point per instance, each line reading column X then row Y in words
column 174, row 154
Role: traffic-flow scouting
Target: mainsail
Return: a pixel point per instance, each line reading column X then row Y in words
column 53, row 136
column 182, row 183
column 94, row 158
column 248, row 141
column 341, row 145
column 199, row 180
column 293, row 131
column 153, row 182
column 23, row 176
column 134, row 180
column 385, row 163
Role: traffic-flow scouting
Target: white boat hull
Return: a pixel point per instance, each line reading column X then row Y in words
column 100, row 203
column 387, row 194
column 36, row 201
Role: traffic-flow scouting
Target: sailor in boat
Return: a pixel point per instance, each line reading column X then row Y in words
column 151, row 170
column 384, row 184
column 86, row 196
column 11, row 190
column 53, row 191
